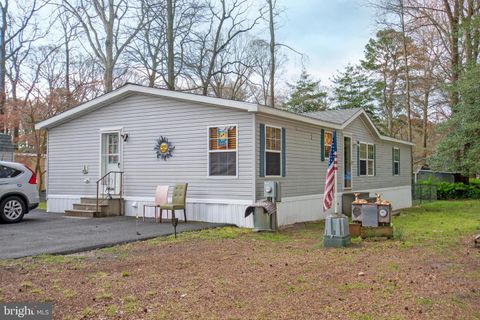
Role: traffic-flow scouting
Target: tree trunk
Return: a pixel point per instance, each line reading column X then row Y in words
column 272, row 55
column 67, row 69
column 170, row 46
column 3, row 58
column 425, row 124
column 454, row 21
column 109, row 63
column 407, row 72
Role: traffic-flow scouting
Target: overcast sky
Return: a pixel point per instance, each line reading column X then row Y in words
column 331, row 33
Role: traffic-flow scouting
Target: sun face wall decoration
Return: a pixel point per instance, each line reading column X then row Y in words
column 164, row 148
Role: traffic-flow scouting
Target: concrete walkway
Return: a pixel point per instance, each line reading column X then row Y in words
column 53, row 233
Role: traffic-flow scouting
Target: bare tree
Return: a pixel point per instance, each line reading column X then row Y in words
column 16, row 30
column 445, row 18
column 226, row 21
column 160, row 57
column 271, row 24
column 236, row 79
column 109, row 27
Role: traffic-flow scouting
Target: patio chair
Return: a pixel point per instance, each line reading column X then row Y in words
column 178, row 201
column 161, row 197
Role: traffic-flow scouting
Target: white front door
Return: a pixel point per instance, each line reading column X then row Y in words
column 111, row 161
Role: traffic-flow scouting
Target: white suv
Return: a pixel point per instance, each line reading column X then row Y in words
column 18, row 191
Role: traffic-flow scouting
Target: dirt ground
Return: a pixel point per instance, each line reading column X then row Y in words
column 236, row 274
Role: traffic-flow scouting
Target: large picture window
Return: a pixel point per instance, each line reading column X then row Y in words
column 222, row 151
column 396, row 161
column 273, row 151
column 367, row 159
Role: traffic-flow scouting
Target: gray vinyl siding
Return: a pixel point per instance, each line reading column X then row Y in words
column 146, row 118
column 384, row 177
column 305, row 172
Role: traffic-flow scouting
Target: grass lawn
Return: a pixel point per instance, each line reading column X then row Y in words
column 429, row 271
column 42, row 205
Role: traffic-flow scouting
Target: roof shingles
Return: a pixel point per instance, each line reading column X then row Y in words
column 333, row 116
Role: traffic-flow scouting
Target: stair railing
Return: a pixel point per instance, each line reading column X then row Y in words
column 111, row 184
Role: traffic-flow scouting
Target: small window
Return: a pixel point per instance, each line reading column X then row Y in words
column 273, row 151
column 367, row 159
column 396, row 161
column 327, row 138
column 7, row 172
column 222, row 151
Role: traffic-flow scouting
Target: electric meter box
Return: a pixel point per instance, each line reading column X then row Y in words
column 271, row 189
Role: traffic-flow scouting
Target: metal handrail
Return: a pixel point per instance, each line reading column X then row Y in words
column 106, row 178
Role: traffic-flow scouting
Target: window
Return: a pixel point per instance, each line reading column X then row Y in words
column 367, row 159
column 273, row 151
column 396, row 161
column 222, row 151
column 7, row 172
column 327, row 138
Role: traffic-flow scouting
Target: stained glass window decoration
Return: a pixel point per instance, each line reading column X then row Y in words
column 222, row 151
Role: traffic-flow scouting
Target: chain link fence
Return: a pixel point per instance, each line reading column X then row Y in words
column 424, row 193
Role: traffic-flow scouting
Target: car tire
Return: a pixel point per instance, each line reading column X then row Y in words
column 12, row 209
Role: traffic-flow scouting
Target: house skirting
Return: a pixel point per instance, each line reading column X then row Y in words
column 290, row 209
column 300, row 209
column 400, row 197
column 310, row 208
column 213, row 210
column 208, row 210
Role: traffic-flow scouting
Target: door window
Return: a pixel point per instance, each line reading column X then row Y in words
column 111, row 152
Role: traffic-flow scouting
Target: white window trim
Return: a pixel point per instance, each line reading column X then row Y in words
column 274, row 151
column 348, row 135
column 327, row 155
column 396, row 174
column 366, row 159
column 215, row 151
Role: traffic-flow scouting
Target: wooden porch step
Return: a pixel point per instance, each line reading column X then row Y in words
column 86, row 213
column 89, row 206
column 80, row 213
column 93, row 200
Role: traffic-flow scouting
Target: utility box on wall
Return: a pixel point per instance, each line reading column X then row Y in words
column 271, row 189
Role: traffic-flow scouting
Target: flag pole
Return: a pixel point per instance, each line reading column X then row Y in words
column 336, row 179
column 335, row 192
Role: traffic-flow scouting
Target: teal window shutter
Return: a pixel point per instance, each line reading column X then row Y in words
column 261, row 168
column 374, row 159
column 284, row 155
column 399, row 153
column 393, row 161
column 322, row 145
column 358, row 159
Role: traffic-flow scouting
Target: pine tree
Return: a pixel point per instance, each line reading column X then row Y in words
column 459, row 149
column 353, row 88
column 306, row 95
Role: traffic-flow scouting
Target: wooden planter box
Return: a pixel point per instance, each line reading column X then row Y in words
column 355, row 229
column 377, row 232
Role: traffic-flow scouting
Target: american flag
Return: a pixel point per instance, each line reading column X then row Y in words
column 328, row 195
